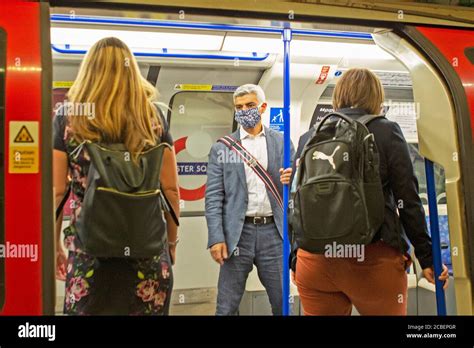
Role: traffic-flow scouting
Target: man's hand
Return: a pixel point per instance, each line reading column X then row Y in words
column 219, row 252
column 285, row 175
column 429, row 275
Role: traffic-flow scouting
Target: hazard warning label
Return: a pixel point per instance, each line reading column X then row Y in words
column 23, row 136
column 24, row 147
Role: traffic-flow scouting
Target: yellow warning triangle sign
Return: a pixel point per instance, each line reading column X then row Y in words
column 23, row 136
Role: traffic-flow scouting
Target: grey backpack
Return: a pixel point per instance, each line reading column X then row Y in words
column 339, row 195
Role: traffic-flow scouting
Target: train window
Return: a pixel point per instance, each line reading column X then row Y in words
column 443, row 225
column 440, row 179
column 197, row 119
column 2, row 159
column 419, row 167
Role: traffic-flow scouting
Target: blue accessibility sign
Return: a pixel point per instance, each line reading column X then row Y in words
column 276, row 119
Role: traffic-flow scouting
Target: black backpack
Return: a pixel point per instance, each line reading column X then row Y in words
column 122, row 210
column 339, row 195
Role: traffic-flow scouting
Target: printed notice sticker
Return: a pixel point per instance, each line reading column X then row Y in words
column 24, row 147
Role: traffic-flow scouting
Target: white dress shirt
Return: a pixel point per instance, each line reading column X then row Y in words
column 259, row 204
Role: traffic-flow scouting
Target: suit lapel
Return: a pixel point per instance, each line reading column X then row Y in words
column 272, row 164
column 271, row 152
column 240, row 165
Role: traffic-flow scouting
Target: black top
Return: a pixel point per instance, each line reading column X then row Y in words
column 59, row 126
column 400, row 188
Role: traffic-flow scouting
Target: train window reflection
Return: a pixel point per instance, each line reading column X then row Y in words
column 197, row 120
column 2, row 156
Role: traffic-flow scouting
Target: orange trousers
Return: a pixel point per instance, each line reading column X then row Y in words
column 375, row 286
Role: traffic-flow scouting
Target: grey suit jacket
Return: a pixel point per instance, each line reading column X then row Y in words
column 226, row 190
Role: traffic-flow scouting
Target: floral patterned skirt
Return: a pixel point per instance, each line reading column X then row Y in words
column 116, row 286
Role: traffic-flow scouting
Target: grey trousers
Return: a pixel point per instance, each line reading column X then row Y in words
column 259, row 245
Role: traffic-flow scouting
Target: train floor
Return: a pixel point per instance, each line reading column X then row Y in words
column 201, row 305
column 189, row 302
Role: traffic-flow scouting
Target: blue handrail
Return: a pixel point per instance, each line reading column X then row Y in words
column 165, row 54
column 435, row 238
column 162, row 24
column 338, row 34
column 286, row 164
column 205, row 26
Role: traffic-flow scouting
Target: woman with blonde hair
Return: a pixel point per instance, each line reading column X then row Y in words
column 111, row 103
column 376, row 282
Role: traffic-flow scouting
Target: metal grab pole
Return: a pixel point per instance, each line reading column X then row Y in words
column 286, row 164
column 435, row 238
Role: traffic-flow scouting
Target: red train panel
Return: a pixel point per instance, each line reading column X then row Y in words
column 23, row 223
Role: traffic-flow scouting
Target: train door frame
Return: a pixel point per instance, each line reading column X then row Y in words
column 28, row 75
column 465, row 124
column 48, row 221
column 411, row 32
column 441, row 111
column 3, row 51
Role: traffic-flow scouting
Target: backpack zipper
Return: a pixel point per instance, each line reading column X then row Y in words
column 110, row 150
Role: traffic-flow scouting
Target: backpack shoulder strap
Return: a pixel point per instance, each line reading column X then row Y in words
column 60, row 207
column 366, row 119
column 330, row 115
column 169, row 208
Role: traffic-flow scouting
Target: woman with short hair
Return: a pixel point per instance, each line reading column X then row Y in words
column 376, row 284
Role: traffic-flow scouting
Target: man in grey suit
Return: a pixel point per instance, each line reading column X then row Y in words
column 244, row 219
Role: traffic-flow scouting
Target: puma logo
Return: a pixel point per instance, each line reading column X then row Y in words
column 323, row 156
